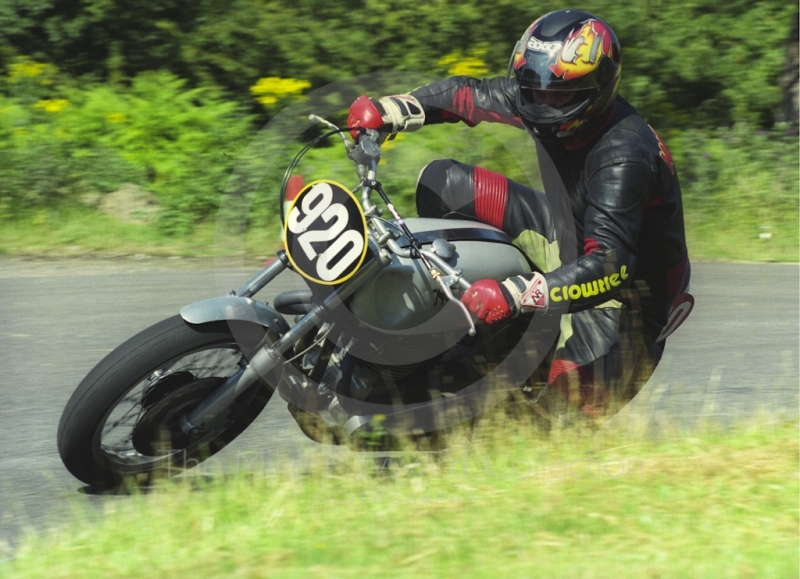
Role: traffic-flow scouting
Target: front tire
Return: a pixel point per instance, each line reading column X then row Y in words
column 122, row 422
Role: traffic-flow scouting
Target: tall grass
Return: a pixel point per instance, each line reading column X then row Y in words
column 721, row 503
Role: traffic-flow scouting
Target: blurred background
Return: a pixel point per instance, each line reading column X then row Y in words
column 121, row 121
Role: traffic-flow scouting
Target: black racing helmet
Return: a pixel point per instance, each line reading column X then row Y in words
column 567, row 66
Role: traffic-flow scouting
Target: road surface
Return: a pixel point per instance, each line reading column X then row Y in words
column 736, row 355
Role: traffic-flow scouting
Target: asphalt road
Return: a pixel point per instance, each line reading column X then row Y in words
column 736, row 356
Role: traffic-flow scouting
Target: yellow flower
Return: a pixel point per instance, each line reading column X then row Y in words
column 459, row 64
column 19, row 69
column 268, row 91
column 51, row 105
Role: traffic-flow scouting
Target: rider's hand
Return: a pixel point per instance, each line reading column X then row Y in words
column 489, row 301
column 389, row 114
column 492, row 301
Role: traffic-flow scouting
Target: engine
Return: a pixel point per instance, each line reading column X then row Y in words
column 403, row 296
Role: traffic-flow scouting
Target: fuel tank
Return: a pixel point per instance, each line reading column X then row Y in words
column 403, row 295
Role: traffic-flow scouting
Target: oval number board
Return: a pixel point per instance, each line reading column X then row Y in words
column 326, row 233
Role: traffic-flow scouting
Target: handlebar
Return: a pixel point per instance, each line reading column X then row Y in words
column 366, row 154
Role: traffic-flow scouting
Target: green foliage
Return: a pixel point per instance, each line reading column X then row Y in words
column 702, row 63
column 180, row 137
column 156, row 133
column 168, row 95
column 686, row 63
column 41, row 163
column 755, row 169
column 741, row 185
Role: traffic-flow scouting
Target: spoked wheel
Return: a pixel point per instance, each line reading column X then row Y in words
column 124, row 419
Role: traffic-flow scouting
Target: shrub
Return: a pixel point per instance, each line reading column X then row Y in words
column 156, row 133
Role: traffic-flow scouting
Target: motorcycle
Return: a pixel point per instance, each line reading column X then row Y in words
column 377, row 342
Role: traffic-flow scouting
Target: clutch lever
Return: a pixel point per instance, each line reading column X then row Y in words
column 317, row 119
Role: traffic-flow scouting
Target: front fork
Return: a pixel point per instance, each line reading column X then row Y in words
column 212, row 411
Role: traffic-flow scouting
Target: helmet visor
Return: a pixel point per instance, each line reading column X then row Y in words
column 553, row 105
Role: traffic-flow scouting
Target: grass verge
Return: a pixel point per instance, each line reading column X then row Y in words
column 83, row 232
column 740, row 193
column 76, row 231
column 742, row 240
column 719, row 504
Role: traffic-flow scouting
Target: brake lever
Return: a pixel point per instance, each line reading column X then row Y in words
column 446, row 281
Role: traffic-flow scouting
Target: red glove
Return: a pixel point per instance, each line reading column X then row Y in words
column 389, row 114
column 492, row 301
column 489, row 301
column 365, row 114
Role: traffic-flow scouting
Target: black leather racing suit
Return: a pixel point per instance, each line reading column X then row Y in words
column 608, row 234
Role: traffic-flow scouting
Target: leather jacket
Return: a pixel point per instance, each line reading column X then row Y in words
column 618, row 183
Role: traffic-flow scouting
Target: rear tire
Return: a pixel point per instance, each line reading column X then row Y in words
column 161, row 373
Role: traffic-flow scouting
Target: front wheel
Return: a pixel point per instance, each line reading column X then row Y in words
column 123, row 420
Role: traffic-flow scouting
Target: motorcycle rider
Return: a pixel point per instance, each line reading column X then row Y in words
column 611, row 187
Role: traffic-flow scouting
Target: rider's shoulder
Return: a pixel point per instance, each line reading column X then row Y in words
column 628, row 139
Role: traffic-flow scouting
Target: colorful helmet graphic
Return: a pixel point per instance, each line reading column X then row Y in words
column 567, row 66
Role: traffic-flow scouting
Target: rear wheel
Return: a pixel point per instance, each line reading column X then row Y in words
column 123, row 420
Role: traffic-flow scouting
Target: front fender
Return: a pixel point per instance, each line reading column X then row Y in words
column 230, row 308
